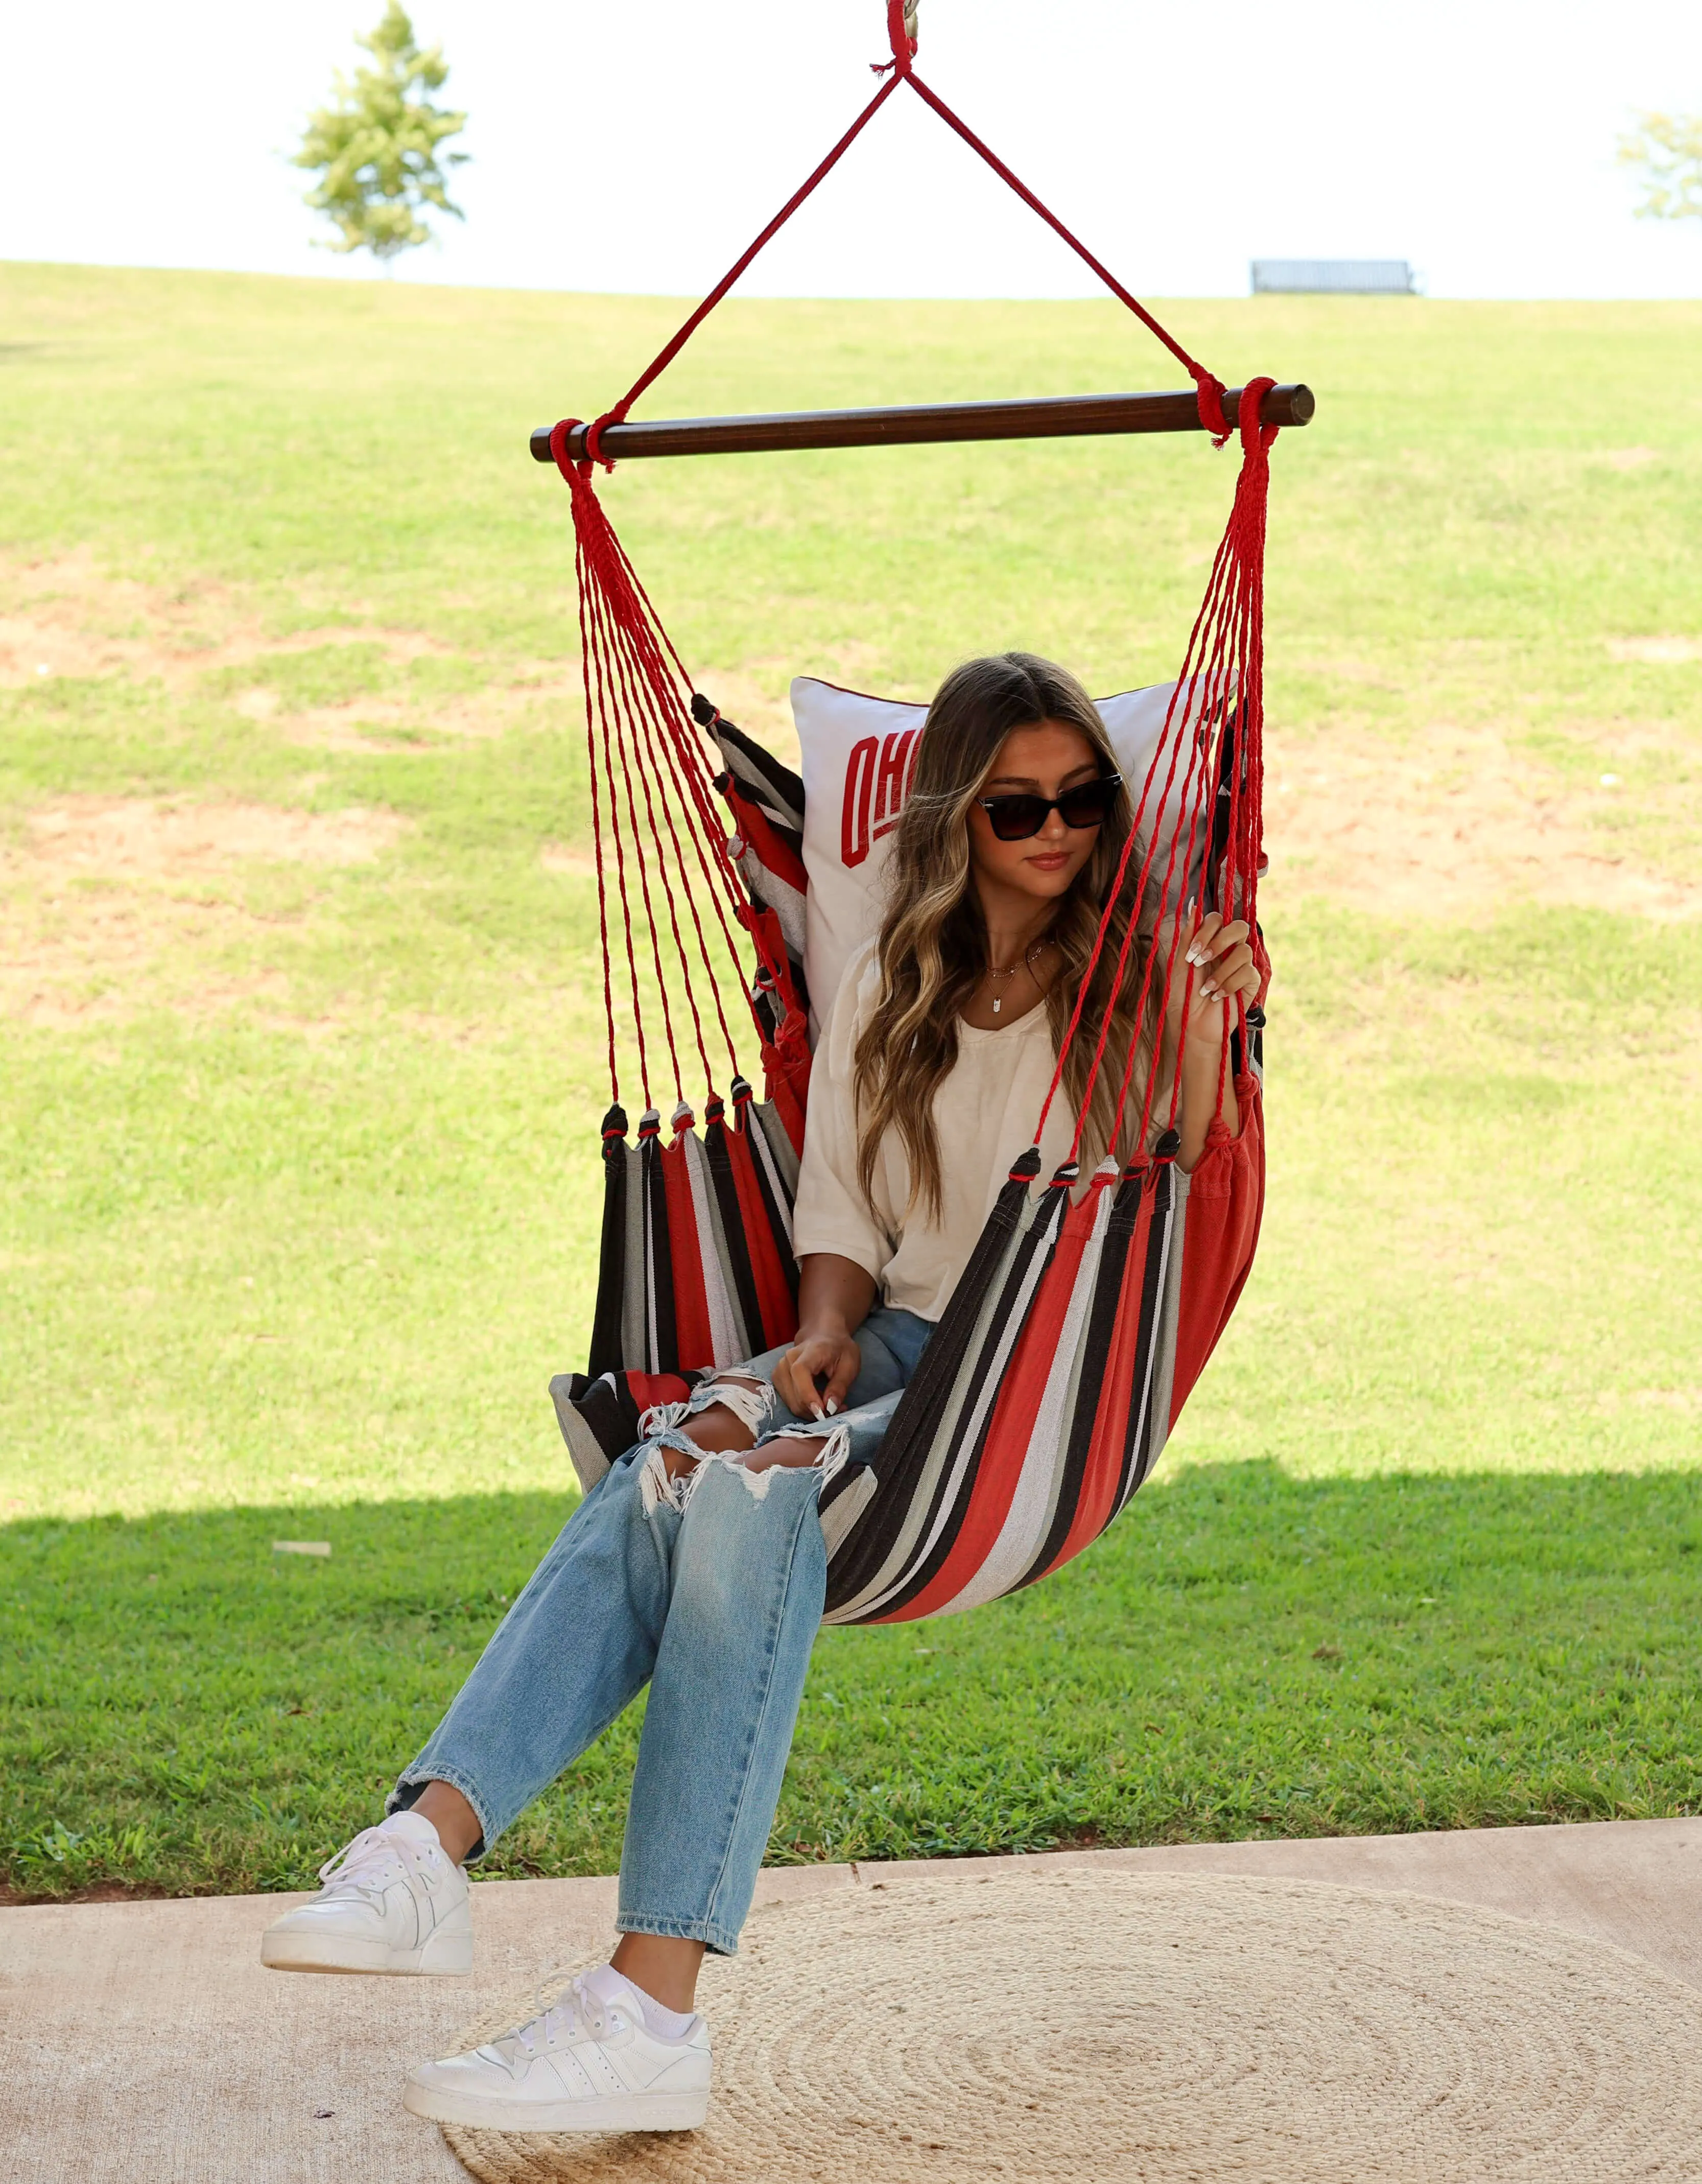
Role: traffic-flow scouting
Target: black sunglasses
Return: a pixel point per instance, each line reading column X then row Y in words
column 1015, row 818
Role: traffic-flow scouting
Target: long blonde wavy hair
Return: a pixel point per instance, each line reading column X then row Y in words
column 933, row 950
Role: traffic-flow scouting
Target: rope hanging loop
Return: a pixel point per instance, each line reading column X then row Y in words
column 902, row 36
column 593, row 437
column 1252, row 396
column 1210, row 392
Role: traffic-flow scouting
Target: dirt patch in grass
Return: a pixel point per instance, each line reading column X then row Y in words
column 70, row 617
column 1655, row 651
column 579, row 863
column 99, row 891
column 93, row 956
column 400, row 726
column 1453, row 830
column 118, row 836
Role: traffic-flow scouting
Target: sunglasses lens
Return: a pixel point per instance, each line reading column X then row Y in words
column 1088, row 806
column 1015, row 818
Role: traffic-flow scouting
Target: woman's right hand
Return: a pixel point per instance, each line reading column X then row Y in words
column 815, row 1376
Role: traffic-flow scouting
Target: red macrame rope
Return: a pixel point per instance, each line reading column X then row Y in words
column 597, row 846
column 659, row 364
column 609, row 680
column 690, row 753
column 558, row 442
column 636, row 699
column 610, row 559
column 641, row 629
column 636, row 689
column 629, row 709
column 1184, row 692
column 637, row 692
column 898, row 37
column 1220, row 680
column 1209, row 386
column 648, row 714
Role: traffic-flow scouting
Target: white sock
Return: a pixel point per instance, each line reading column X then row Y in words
column 415, row 1827
column 607, row 1985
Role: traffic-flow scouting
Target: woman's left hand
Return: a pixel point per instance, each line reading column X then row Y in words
column 1224, row 969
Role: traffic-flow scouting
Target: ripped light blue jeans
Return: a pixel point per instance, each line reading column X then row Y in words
column 713, row 1596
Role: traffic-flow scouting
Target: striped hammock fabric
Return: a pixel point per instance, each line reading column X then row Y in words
column 1050, row 1388
column 1086, row 1315
column 697, row 1255
column 1046, row 1394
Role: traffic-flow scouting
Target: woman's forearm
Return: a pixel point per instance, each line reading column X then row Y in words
column 834, row 1295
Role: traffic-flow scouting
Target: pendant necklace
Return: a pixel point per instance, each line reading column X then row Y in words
column 1027, row 963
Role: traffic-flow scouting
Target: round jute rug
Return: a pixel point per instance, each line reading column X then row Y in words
column 1093, row 2027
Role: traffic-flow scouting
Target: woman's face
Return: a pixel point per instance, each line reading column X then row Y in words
column 1042, row 761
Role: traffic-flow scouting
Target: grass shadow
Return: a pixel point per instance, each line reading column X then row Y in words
column 1245, row 1653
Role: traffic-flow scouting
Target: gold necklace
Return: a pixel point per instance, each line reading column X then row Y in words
column 1038, row 949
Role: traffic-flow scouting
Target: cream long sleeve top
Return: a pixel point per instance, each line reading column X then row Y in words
column 984, row 1115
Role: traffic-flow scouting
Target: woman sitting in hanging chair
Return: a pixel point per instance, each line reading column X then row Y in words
column 698, row 1563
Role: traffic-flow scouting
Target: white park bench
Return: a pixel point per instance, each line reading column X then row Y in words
column 1333, row 276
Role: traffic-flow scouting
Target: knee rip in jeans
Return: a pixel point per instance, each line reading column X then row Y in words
column 751, row 1401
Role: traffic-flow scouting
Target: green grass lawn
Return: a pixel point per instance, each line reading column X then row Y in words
column 299, row 1197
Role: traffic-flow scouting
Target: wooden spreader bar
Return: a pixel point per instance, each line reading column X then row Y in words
column 1048, row 417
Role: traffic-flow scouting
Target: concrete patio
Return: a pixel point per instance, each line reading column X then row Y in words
column 144, row 2041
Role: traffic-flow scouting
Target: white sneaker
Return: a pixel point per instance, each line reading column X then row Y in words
column 585, row 2065
column 393, row 1901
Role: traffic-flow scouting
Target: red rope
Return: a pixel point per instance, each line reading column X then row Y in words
column 1183, row 685
column 1221, row 683
column 601, row 613
column 665, row 712
column 1201, row 377
column 665, row 357
column 903, row 44
column 650, row 723
column 1209, row 386
column 636, row 686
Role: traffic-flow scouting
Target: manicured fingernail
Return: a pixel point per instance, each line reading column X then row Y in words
column 1208, row 992
column 832, row 1405
column 816, row 1409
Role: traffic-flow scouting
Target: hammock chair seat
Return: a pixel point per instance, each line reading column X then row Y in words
column 1090, row 1306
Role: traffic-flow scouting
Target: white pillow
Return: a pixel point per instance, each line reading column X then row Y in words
column 859, row 760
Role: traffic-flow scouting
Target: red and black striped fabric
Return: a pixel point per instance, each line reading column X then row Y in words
column 1050, row 1386
column 1048, row 1389
column 1083, row 1319
column 697, row 1267
column 766, row 801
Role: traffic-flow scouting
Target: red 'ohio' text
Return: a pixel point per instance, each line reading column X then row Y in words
column 878, row 775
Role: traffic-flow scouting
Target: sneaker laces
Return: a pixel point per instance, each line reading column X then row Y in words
column 365, row 1866
column 575, row 2015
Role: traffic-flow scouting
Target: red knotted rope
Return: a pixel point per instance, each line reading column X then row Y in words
column 1221, row 683
column 901, row 68
column 633, row 675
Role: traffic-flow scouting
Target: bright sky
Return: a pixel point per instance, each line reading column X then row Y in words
column 638, row 145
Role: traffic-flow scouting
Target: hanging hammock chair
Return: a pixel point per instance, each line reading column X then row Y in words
column 1085, row 1316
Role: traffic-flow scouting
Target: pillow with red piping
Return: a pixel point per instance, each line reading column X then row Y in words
column 813, row 850
column 859, row 755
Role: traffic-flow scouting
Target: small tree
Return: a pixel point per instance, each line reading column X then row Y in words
column 376, row 150
column 1666, row 149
